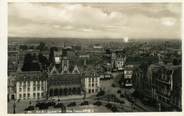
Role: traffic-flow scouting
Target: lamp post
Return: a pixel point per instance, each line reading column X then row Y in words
column 159, row 107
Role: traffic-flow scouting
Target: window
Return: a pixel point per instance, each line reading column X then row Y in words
column 24, row 95
column 28, row 95
column 38, row 84
column 92, row 79
column 89, row 90
column 34, row 88
column 42, row 94
column 34, row 95
column 92, row 84
column 38, row 88
column 92, row 90
column 42, row 88
column 34, row 83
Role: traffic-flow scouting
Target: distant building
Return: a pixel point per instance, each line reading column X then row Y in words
column 31, row 85
column 97, row 46
column 13, row 61
column 118, row 60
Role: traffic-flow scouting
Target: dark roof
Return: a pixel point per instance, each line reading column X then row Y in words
column 31, row 76
column 140, row 59
column 90, row 72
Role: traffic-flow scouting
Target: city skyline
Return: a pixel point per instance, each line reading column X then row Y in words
column 158, row 20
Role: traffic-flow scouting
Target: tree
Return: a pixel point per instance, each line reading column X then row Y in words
column 27, row 62
column 29, row 65
column 42, row 46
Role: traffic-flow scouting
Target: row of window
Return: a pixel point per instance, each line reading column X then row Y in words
column 28, row 95
column 34, row 83
column 93, row 84
column 28, row 89
column 92, row 90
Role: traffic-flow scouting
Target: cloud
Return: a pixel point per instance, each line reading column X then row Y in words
column 167, row 21
column 105, row 21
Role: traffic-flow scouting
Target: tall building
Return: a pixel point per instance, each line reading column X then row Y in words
column 64, row 78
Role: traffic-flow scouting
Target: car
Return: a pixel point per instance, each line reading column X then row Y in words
column 109, row 106
column 72, row 104
column 98, row 103
column 84, row 103
column 30, row 108
column 58, row 105
column 43, row 107
column 51, row 103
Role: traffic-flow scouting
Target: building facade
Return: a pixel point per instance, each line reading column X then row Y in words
column 31, row 85
column 127, row 78
column 161, row 85
column 91, row 82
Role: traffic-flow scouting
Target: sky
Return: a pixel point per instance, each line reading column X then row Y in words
column 104, row 20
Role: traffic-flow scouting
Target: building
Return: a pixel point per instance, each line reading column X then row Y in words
column 64, row 78
column 31, row 85
column 127, row 78
column 90, row 82
column 161, row 85
column 118, row 60
column 168, row 87
column 11, row 87
column 64, row 85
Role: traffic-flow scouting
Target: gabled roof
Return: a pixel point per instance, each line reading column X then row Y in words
column 75, row 70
